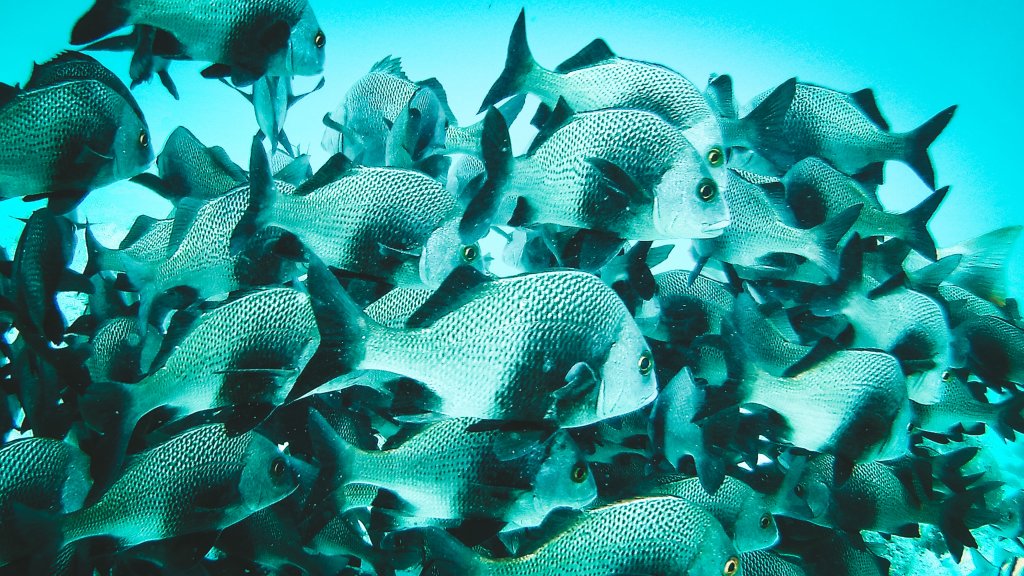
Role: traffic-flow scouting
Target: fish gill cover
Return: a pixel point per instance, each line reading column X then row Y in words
column 621, row 322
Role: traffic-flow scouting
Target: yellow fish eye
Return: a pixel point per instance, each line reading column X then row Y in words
column 707, row 189
column 645, row 364
column 579, row 473
column 766, row 521
column 470, row 253
column 732, row 566
column 715, row 157
column 320, row 40
column 143, row 139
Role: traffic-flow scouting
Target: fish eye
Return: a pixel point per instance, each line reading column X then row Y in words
column 320, row 40
column 947, row 376
column 143, row 139
column 579, row 473
column 707, row 190
column 799, row 490
column 715, row 157
column 470, row 253
column 732, row 566
column 766, row 521
column 277, row 467
column 645, row 364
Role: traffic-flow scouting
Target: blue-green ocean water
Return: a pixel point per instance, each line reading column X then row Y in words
column 919, row 57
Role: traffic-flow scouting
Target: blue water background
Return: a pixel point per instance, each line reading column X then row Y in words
column 918, row 56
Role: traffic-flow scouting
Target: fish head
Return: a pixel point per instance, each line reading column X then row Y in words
column 563, row 480
column 267, row 476
column 804, row 492
column 688, row 200
column 628, row 381
column 716, row 554
column 132, row 146
column 445, row 251
column 304, row 53
column 755, row 525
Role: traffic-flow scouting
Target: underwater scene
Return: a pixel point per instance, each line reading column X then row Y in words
column 301, row 287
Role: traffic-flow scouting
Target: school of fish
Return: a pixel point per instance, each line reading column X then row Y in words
column 322, row 372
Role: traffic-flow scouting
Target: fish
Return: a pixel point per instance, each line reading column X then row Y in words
column 684, row 539
column 745, row 515
column 142, row 41
column 102, row 137
column 220, row 479
column 393, row 309
column 964, row 404
column 478, row 343
column 272, row 97
column 364, row 227
column 849, row 132
column 596, row 79
column 39, row 271
column 682, row 310
column 244, row 354
column 992, row 348
column 755, row 232
column 190, row 169
column 481, row 471
column 146, row 242
column 59, row 483
column 655, row 188
column 812, row 182
column 242, row 41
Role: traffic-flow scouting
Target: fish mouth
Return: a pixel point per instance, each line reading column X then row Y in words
column 714, row 229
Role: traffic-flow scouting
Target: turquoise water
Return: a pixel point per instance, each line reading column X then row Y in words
column 918, row 57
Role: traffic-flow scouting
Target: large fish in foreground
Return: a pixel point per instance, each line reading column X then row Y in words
column 624, row 172
column 73, row 128
column 558, row 345
column 655, row 535
column 243, row 40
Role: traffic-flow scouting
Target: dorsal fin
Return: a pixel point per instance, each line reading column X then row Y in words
column 591, row 54
column 333, row 169
column 872, row 176
column 185, row 213
column 720, row 93
column 457, row 289
column 434, row 85
column 865, row 100
column 559, row 116
column 142, row 225
column 821, row 350
column 220, row 157
column 389, row 65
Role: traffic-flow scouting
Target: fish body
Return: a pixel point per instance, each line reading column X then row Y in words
column 993, row 348
column 960, row 406
column 847, row 131
column 390, row 224
column 217, row 480
column 745, row 515
column 517, row 348
column 63, row 140
column 756, row 231
column 681, row 310
column 453, row 470
column 242, row 39
column 393, row 309
column 770, row 563
column 625, row 172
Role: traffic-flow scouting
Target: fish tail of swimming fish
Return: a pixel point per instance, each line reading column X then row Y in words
column 99, row 256
column 104, row 17
column 963, row 511
column 916, row 220
column 263, row 194
column 762, row 128
column 438, row 552
column 344, row 330
column 485, row 190
column 982, row 269
column 827, row 235
column 112, row 409
column 917, row 141
column 519, row 66
column 1009, row 417
column 42, row 534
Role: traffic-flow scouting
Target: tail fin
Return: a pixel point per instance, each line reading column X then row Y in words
column 103, row 18
column 828, row 235
column 336, row 455
column 916, row 220
column 496, row 147
column 1010, row 417
column 763, row 126
column 99, row 256
column 109, row 407
column 518, row 64
column 918, row 141
column 343, row 330
column 957, row 512
column 262, row 194
column 982, row 269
